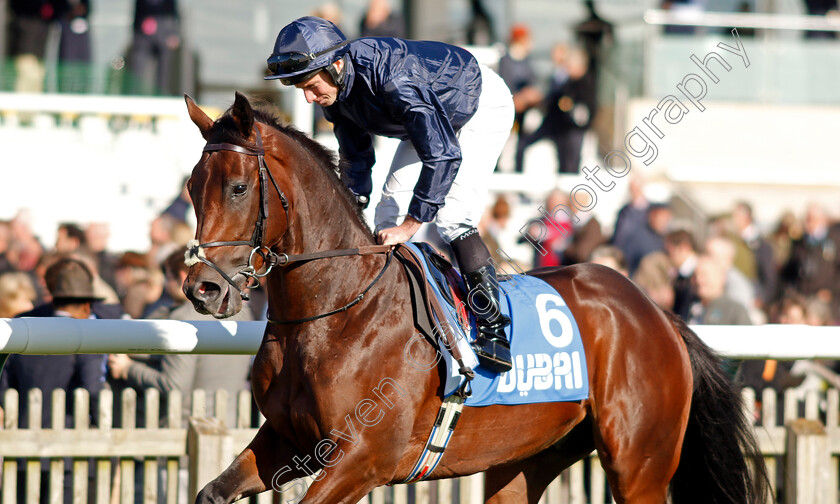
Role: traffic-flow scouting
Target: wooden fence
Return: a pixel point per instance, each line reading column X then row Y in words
column 110, row 464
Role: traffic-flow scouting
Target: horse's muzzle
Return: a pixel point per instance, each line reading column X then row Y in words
column 211, row 298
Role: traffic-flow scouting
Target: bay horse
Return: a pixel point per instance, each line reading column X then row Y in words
column 338, row 396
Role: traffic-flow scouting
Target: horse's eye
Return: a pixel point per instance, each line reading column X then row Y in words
column 239, row 189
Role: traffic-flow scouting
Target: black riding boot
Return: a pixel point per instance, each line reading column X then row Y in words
column 491, row 346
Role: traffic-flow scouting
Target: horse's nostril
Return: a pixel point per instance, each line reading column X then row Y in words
column 208, row 286
column 207, row 291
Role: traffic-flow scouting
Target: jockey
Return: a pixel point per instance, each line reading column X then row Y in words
column 453, row 117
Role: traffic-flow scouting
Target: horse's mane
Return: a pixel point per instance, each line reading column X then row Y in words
column 225, row 130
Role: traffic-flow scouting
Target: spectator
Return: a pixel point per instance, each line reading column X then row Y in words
column 167, row 233
column 765, row 277
column 96, row 238
column 27, row 248
column 633, row 215
column 69, row 238
column 813, row 374
column 818, row 312
column 654, row 276
column 743, row 260
column 492, row 225
column 553, row 233
column 180, row 209
column 380, row 21
column 648, row 238
column 5, row 247
column 17, row 294
column 715, row 307
column 788, row 230
column 761, row 374
column 185, row 372
column 682, row 250
column 74, row 53
column 814, row 264
column 738, row 286
column 28, row 36
column 157, row 37
column 609, row 256
column 480, row 28
column 71, row 285
column 586, row 235
column 42, row 295
column 137, row 284
column 596, row 36
column 517, row 70
column 570, row 107
column 330, row 11
column 109, row 306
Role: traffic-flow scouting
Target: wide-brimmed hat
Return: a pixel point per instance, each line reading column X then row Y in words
column 70, row 279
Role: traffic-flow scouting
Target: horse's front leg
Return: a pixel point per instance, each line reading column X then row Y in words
column 362, row 467
column 266, row 463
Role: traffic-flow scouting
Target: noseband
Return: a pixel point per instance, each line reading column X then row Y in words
column 195, row 252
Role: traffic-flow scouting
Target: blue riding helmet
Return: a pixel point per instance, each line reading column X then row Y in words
column 303, row 48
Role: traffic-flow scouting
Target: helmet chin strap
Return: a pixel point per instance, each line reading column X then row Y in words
column 339, row 77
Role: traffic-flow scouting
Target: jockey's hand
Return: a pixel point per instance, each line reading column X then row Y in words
column 399, row 234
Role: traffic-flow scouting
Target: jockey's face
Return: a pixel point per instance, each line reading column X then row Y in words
column 321, row 89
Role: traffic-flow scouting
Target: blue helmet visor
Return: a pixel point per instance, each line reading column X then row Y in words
column 293, row 62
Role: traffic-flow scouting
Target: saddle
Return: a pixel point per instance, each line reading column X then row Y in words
column 429, row 313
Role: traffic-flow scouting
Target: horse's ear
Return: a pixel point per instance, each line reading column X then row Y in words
column 198, row 116
column 243, row 114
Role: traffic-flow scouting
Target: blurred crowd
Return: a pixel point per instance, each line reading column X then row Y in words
column 733, row 270
column 79, row 277
column 730, row 271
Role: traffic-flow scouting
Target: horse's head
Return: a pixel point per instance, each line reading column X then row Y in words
column 231, row 189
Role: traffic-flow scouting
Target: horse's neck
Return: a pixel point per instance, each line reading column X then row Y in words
column 327, row 221
column 322, row 219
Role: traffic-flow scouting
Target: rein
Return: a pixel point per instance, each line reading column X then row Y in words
column 355, row 300
column 195, row 250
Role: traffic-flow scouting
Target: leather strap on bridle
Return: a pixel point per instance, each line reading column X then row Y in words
column 286, row 259
column 258, row 236
column 355, row 300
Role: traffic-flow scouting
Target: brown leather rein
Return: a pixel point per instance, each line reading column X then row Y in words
column 195, row 252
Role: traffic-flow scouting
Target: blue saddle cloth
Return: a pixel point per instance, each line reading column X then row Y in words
column 549, row 364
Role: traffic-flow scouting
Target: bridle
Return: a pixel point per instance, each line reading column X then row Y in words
column 195, row 250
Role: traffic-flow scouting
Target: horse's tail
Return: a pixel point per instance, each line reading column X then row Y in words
column 719, row 438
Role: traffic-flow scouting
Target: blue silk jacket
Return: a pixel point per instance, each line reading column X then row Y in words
column 423, row 92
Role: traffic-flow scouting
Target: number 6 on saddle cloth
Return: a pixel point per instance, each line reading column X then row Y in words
column 549, row 364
